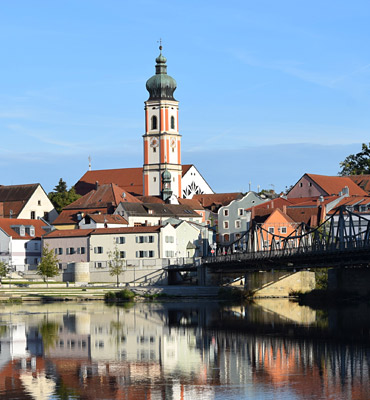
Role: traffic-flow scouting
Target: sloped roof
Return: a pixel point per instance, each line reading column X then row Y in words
column 150, row 199
column 6, row 225
column 130, row 179
column 332, row 185
column 68, row 233
column 70, row 216
column 132, row 229
column 308, row 215
column 104, row 196
column 220, row 199
column 192, row 203
column 159, row 210
column 361, row 180
column 108, row 218
column 264, row 208
column 14, row 197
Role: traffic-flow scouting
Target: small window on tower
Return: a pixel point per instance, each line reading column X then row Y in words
column 154, row 122
column 154, row 179
column 154, row 150
column 172, row 122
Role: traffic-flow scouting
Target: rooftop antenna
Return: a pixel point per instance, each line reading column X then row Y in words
column 250, row 184
column 89, row 163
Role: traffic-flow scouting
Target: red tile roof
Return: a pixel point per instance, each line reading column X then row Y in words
column 104, row 196
column 108, row 218
column 130, row 179
column 67, row 217
column 69, row 233
column 361, row 180
column 193, row 203
column 333, row 185
column 132, row 229
column 14, row 198
column 7, row 223
column 219, row 199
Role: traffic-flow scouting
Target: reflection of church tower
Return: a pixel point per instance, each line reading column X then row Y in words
column 162, row 141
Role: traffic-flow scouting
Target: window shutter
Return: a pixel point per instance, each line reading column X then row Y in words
column 117, row 240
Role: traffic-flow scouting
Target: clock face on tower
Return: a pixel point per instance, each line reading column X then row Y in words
column 173, row 143
column 154, row 142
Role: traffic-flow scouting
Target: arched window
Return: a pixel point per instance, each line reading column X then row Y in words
column 154, row 122
column 172, row 122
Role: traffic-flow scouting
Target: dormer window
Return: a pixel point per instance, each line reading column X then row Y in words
column 154, row 122
column 22, row 231
column 32, row 230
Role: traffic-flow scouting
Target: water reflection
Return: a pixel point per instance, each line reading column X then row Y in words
column 270, row 350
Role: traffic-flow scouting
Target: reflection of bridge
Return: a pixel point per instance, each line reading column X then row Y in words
column 341, row 240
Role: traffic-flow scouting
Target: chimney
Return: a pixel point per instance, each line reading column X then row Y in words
column 96, row 185
column 284, row 209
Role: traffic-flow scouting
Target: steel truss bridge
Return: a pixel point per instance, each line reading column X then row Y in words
column 342, row 240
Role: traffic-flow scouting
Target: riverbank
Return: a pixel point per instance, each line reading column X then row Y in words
column 61, row 292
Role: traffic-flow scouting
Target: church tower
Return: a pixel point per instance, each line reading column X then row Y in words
column 162, row 141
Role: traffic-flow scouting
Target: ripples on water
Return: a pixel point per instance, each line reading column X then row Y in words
column 272, row 350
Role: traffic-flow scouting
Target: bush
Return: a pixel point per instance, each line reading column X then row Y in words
column 122, row 295
column 125, row 294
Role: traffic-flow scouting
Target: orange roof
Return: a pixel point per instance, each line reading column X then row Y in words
column 69, row 233
column 102, row 231
column 108, row 218
column 220, row 199
column 131, row 229
column 6, row 225
column 103, row 196
column 361, row 180
column 130, row 179
column 193, row 203
column 70, row 216
column 332, row 185
column 150, row 199
column 14, row 197
column 279, row 202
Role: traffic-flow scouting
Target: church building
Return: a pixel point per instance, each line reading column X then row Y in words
column 162, row 173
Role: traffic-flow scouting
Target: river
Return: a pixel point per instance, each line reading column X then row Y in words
column 272, row 349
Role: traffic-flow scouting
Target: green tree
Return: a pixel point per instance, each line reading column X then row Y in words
column 115, row 263
column 49, row 265
column 4, row 270
column 357, row 164
column 61, row 197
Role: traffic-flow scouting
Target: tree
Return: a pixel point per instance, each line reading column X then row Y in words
column 357, row 164
column 61, row 197
column 116, row 263
column 4, row 270
column 49, row 265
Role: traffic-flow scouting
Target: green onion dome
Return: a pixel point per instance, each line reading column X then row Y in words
column 161, row 86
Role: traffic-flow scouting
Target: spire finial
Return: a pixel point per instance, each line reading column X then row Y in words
column 89, row 163
column 160, row 44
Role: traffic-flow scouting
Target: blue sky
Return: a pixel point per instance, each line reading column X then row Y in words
column 268, row 90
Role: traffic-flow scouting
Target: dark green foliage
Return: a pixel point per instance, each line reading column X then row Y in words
column 321, row 276
column 357, row 164
column 122, row 295
column 61, row 197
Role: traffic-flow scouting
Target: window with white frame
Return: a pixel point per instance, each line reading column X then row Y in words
column 226, row 212
column 240, row 212
column 283, row 229
column 120, row 240
column 170, row 253
column 226, row 224
column 122, row 254
column 98, row 250
column 238, row 224
column 169, row 239
column 271, row 229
